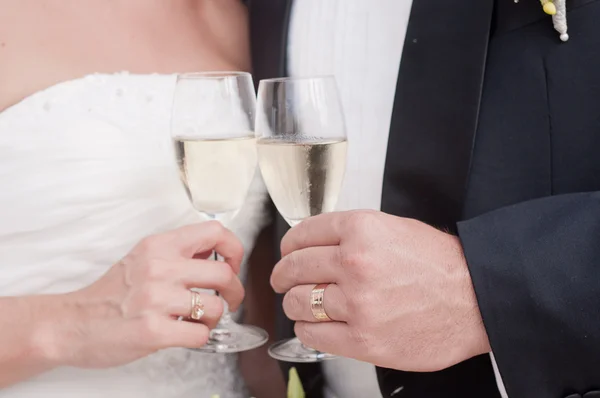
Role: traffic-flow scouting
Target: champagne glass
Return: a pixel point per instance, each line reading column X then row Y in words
column 211, row 125
column 301, row 141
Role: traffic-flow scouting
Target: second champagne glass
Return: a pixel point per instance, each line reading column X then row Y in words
column 211, row 124
column 301, row 142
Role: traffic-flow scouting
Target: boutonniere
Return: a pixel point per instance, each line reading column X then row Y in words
column 558, row 10
column 295, row 389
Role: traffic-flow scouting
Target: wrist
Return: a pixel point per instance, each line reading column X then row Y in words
column 49, row 338
column 476, row 340
column 479, row 343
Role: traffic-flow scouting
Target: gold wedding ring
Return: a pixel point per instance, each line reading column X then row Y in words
column 197, row 307
column 316, row 303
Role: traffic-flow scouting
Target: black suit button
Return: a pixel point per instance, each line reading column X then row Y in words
column 592, row 394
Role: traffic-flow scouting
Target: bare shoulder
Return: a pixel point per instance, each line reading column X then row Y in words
column 43, row 42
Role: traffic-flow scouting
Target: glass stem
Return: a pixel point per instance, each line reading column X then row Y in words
column 226, row 317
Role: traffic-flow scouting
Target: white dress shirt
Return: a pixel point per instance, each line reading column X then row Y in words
column 360, row 43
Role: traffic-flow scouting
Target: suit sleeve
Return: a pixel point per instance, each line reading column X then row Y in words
column 536, row 271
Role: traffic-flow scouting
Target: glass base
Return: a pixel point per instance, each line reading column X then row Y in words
column 234, row 338
column 292, row 350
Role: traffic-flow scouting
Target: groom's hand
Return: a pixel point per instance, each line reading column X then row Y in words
column 400, row 294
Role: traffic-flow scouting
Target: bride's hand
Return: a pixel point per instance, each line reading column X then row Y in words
column 132, row 310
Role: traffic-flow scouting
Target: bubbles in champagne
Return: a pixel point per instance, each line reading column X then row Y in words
column 304, row 178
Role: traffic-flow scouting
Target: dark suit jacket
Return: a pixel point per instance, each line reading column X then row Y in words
column 495, row 135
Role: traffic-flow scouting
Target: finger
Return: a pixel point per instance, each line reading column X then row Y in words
column 184, row 334
column 308, row 266
column 207, row 236
column 203, row 256
column 214, row 275
column 158, row 332
column 322, row 230
column 330, row 337
column 297, row 307
column 181, row 305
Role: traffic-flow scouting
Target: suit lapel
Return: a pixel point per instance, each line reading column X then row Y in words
column 431, row 138
column 435, row 110
column 433, row 123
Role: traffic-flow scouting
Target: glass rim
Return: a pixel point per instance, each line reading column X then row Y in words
column 213, row 75
column 297, row 78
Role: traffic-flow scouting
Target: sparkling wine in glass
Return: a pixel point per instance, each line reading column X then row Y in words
column 211, row 125
column 301, row 141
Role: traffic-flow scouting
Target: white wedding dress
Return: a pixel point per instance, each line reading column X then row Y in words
column 86, row 171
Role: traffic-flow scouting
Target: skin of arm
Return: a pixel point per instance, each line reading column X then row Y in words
column 29, row 340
